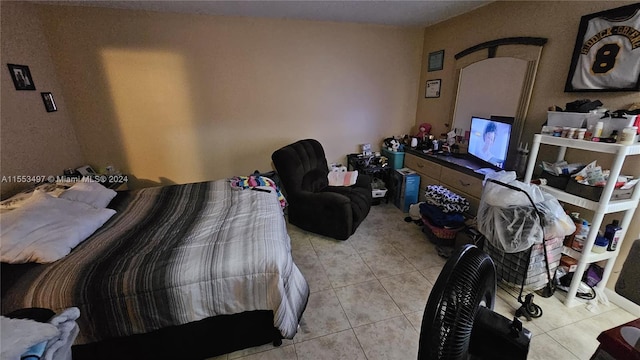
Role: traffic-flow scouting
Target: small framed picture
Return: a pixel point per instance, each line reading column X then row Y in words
column 21, row 77
column 49, row 103
column 436, row 61
column 432, row 88
column 366, row 149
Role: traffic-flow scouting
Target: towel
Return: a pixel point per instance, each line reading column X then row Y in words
column 18, row 335
column 60, row 346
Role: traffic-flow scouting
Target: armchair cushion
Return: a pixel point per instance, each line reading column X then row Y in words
column 315, row 180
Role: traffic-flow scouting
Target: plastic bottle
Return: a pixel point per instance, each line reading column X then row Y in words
column 568, row 240
column 612, row 233
column 589, row 133
column 628, row 136
column 584, row 229
column 600, row 245
column 597, row 132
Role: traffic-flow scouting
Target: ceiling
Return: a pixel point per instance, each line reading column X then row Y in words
column 397, row 13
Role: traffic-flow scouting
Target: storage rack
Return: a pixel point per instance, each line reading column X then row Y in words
column 600, row 208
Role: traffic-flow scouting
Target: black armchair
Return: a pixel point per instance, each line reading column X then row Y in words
column 334, row 211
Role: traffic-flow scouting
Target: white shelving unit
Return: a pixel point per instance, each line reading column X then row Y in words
column 600, row 208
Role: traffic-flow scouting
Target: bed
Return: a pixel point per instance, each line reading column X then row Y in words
column 184, row 271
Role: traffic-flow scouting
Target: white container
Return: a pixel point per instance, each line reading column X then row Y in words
column 628, row 135
column 378, row 193
column 610, row 124
column 569, row 119
column 598, row 249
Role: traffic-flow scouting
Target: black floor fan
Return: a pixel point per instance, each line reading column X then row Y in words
column 459, row 323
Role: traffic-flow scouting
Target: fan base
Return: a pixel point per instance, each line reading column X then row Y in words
column 496, row 337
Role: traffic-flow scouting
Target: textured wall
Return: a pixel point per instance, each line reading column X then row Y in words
column 179, row 98
column 32, row 141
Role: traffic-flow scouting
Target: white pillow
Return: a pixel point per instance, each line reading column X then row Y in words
column 92, row 193
column 18, row 200
column 342, row 178
column 46, row 228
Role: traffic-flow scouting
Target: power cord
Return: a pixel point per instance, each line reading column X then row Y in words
column 565, row 282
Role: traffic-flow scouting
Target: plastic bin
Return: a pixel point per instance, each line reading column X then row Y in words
column 396, row 158
column 594, row 192
column 610, row 124
column 569, row 119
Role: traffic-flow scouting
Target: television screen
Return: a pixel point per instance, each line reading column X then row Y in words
column 489, row 140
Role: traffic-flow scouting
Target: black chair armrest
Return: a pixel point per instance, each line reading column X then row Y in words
column 363, row 181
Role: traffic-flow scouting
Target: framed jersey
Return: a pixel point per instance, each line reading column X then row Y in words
column 606, row 56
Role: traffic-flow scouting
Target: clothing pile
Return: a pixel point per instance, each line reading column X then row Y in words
column 442, row 214
column 443, row 207
column 262, row 183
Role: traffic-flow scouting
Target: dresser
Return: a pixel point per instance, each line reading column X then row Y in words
column 456, row 174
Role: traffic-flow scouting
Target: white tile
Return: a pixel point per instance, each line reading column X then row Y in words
column 366, row 302
column 339, row 346
column 420, row 253
column 432, row 273
column 367, row 307
column 302, row 250
column 343, row 270
column 324, row 315
column 314, row 273
column 410, row 291
column 581, row 337
column 389, row 339
column 327, row 247
column 543, row 347
column 386, row 262
column 415, row 318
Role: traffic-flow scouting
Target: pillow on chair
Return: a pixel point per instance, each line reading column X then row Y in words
column 315, row 180
column 342, row 178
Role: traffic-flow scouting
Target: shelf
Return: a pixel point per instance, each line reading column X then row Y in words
column 591, row 257
column 600, row 207
column 590, row 145
column 614, row 205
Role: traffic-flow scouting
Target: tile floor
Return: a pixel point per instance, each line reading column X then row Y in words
column 368, row 295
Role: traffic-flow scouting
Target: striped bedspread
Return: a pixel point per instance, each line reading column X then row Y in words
column 170, row 256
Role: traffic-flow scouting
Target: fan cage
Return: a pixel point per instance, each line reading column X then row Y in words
column 465, row 287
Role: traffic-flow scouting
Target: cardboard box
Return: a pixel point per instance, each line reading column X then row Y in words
column 570, row 263
column 405, row 188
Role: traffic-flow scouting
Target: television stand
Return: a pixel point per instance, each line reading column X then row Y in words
column 455, row 172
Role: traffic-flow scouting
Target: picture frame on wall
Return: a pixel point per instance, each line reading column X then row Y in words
column 606, row 55
column 49, row 103
column 436, row 61
column 21, row 77
column 432, row 88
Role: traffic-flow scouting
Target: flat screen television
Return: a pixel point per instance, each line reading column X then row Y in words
column 489, row 140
